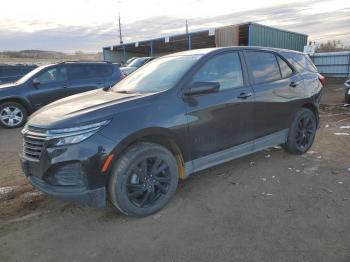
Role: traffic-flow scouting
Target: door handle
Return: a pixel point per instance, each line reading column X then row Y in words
column 293, row 84
column 244, row 95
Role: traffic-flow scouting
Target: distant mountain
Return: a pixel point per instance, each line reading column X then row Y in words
column 49, row 55
column 42, row 52
column 35, row 54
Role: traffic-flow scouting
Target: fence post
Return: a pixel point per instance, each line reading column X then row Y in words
column 151, row 48
column 124, row 54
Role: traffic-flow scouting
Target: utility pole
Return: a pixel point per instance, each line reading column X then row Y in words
column 120, row 31
column 189, row 37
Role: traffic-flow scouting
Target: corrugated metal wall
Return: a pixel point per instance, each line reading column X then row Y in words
column 260, row 35
column 227, row 36
column 333, row 64
column 243, row 34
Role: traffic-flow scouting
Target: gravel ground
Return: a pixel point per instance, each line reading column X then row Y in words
column 270, row 206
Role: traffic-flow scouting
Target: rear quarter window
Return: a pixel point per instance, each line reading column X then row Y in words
column 301, row 62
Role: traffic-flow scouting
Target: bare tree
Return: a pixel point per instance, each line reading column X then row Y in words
column 332, row 46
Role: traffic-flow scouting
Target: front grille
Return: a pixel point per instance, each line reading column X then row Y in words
column 33, row 142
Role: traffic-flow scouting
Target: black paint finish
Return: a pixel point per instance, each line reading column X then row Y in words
column 194, row 126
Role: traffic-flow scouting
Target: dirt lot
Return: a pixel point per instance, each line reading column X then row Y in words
column 270, row 206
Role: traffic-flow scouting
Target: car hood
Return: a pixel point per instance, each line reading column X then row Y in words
column 8, row 85
column 82, row 108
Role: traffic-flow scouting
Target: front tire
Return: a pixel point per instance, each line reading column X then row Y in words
column 143, row 179
column 12, row 115
column 302, row 132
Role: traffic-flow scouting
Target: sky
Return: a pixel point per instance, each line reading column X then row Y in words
column 89, row 25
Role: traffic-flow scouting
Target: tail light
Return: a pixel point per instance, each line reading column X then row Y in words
column 322, row 79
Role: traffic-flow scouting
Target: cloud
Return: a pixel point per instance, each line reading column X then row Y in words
column 320, row 26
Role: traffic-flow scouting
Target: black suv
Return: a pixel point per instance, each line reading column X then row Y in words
column 177, row 115
column 46, row 84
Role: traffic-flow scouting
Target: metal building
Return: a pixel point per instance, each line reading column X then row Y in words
column 333, row 64
column 247, row 34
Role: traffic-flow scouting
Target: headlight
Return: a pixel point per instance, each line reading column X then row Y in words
column 74, row 135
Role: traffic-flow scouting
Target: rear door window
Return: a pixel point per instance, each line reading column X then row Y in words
column 77, row 72
column 286, row 71
column 90, row 71
column 103, row 70
column 263, row 66
column 223, row 68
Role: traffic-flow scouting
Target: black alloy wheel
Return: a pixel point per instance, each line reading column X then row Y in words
column 148, row 181
column 305, row 132
column 143, row 179
column 302, row 132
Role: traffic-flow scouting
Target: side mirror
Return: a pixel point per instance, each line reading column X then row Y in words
column 36, row 82
column 199, row 88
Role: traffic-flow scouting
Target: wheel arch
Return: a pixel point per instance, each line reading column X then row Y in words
column 161, row 136
column 314, row 110
column 20, row 101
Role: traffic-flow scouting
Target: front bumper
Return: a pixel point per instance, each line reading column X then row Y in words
column 71, row 172
column 91, row 197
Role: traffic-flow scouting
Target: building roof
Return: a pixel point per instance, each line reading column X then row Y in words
column 179, row 42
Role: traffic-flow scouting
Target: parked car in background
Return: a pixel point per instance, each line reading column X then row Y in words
column 10, row 73
column 46, row 84
column 179, row 114
column 130, row 60
column 135, row 64
column 347, row 91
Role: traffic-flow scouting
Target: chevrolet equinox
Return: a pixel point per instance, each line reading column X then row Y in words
column 178, row 114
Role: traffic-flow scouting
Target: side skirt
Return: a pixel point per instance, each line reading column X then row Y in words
column 244, row 149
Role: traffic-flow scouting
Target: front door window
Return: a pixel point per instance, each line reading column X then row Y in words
column 57, row 74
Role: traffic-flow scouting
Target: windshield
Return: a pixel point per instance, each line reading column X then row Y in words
column 159, row 75
column 137, row 62
column 29, row 75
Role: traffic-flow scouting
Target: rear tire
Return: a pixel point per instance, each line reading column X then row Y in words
column 143, row 179
column 12, row 115
column 302, row 132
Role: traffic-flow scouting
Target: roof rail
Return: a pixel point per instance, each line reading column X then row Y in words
column 86, row 61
